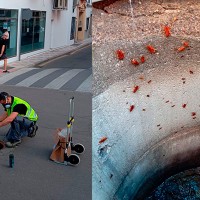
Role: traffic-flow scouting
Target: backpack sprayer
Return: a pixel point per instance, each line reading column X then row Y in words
column 62, row 152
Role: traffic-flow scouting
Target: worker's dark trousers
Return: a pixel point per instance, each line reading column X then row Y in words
column 20, row 127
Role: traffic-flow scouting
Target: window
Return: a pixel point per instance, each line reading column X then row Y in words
column 65, row 4
column 73, row 28
column 60, row 4
column 74, row 5
column 8, row 21
column 33, row 31
column 87, row 23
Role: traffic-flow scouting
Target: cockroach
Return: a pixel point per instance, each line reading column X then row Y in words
column 166, row 101
column 131, row 108
column 183, row 79
column 120, row 54
column 135, row 89
column 172, row 106
column 134, row 62
column 103, row 139
column 183, row 82
column 141, row 77
column 191, row 72
column 160, row 128
column 184, row 105
column 158, row 125
column 151, row 49
column 174, row 19
column 143, row 109
column 148, row 95
column 182, row 48
column 149, row 81
column 193, row 113
column 142, row 59
column 185, row 44
column 167, row 31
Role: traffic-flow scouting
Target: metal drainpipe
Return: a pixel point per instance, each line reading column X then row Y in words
column 20, row 36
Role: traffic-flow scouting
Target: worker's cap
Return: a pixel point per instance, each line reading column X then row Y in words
column 3, row 95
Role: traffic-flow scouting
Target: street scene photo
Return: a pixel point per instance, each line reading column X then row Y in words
column 46, row 100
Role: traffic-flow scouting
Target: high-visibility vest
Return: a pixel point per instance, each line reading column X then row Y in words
column 30, row 113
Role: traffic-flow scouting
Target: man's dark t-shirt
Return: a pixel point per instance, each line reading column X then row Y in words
column 3, row 42
column 19, row 108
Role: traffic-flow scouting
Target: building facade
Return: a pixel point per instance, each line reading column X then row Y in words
column 36, row 26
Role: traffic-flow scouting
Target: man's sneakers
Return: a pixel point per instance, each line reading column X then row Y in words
column 13, row 144
column 33, row 131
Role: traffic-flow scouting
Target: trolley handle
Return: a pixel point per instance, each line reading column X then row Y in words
column 71, row 108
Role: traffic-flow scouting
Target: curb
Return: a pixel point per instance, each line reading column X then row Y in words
column 78, row 47
column 33, row 60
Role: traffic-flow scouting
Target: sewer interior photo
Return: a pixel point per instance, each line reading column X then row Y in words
column 146, row 99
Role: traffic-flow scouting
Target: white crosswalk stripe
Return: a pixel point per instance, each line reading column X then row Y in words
column 52, row 78
column 64, row 78
column 86, row 86
column 12, row 75
column 32, row 79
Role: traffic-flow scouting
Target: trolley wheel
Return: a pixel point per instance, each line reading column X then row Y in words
column 78, row 148
column 73, row 159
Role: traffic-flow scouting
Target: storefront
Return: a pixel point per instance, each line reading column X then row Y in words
column 36, row 26
column 33, row 30
column 9, row 22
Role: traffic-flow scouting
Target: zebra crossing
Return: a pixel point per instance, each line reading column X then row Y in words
column 51, row 78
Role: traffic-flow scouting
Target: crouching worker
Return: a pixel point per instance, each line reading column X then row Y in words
column 20, row 115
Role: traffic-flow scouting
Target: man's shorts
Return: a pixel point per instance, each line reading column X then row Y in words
column 3, row 57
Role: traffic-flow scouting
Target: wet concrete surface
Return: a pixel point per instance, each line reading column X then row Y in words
column 183, row 186
column 158, row 110
column 118, row 30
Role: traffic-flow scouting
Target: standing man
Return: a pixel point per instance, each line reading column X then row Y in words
column 20, row 115
column 3, row 46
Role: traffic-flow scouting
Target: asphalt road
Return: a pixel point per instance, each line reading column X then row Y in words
column 79, row 59
column 34, row 176
column 71, row 72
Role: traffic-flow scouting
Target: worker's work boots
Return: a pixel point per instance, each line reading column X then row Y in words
column 33, row 131
column 13, row 144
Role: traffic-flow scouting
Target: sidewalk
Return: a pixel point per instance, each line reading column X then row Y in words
column 48, row 55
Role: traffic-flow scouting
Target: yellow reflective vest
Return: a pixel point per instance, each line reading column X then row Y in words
column 30, row 113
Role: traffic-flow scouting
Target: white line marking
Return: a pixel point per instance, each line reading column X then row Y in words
column 35, row 77
column 12, row 75
column 86, row 86
column 62, row 79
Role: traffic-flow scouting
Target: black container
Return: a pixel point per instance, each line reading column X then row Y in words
column 11, row 160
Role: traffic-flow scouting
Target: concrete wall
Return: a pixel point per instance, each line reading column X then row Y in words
column 158, row 113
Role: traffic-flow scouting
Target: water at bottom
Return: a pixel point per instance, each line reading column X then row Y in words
column 183, row 186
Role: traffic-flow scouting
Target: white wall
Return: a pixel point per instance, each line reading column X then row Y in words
column 58, row 22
